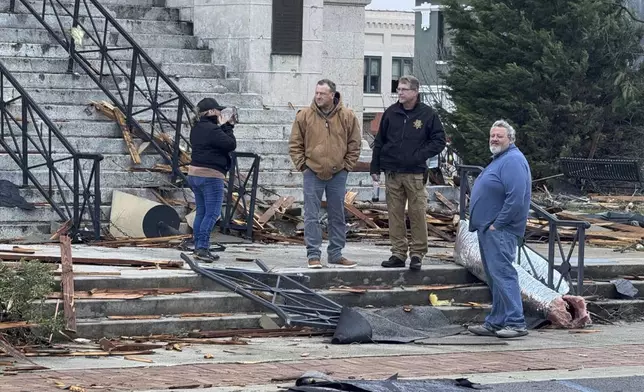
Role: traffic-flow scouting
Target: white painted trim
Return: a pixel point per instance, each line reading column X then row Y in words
column 425, row 10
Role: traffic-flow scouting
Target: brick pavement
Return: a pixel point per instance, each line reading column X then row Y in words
column 411, row 366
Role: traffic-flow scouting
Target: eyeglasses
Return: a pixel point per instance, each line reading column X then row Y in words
column 403, row 90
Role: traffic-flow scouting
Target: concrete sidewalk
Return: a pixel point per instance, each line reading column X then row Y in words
column 549, row 354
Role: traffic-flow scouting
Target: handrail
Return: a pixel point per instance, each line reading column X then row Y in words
column 142, row 67
column 175, row 147
column 554, row 239
column 46, row 132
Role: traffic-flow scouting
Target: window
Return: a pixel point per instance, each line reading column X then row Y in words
column 400, row 67
column 372, row 74
column 286, row 36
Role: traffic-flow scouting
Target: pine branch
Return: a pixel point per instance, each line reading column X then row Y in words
column 625, row 9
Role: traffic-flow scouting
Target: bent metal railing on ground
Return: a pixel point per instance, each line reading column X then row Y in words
column 38, row 147
column 155, row 109
column 555, row 243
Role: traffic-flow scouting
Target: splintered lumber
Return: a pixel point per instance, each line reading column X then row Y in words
column 63, row 229
column 358, row 214
column 15, row 324
column 112, row 347
column 115, row 114
column 610, row 199
column 96, row 261
column 67, row 283
column 19, row 250
column 602, row 222
column 141, row 241
column 445, row 201
column 259, row 332
column 440, row 233
column 280, row 205
column 278, row 238
column 123, row 293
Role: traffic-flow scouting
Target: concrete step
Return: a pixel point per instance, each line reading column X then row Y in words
column 59, row 112
column 103, row 327
column 109, row 179
column 130, row 25
column 16, row 230
column 32, row 195
column 158, row 55
column 59, row 65
column 41, row 36
column 110, row 129
column 84, row 97
column 118, row 11
column 39, row 80
column 228, row 302
column 611, row 310
column 431, row 274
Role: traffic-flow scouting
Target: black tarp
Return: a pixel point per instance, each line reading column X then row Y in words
column 392, row 325
column 320, row 382
column 10, row 196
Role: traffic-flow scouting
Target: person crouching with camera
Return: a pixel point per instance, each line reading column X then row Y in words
column 212, row 142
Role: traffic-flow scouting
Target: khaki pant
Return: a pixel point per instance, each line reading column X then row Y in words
column 402, row 189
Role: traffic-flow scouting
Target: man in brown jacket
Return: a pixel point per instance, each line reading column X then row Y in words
column 325, row 146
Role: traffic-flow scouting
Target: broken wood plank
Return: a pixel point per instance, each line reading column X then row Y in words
column 139, row 317
column 350, row 197
column 609, row 199
column 197, row 315
column 268, row 214
column 604, row 223
column 137, row 359
column 14, row 324
column 445, row 201
column 358, row 214
column 62, row 230
column 18, row 250
column 123, row 293
column 91, row 273
column 440, row 233
column 67, row 283
column 96, row 261
column 279, row 238
column 259, row 332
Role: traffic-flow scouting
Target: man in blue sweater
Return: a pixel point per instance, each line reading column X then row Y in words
column 499, row 207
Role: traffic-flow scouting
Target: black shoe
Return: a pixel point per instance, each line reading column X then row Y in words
column 205, row 256
column 415, row 263
column 393, row 262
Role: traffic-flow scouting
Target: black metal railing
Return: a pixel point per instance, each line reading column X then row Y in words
column 155, row 109
column 47, row 159
column 555, row 243
column 242, row 193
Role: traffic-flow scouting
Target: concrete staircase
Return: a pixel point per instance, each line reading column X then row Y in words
column 388, row 288
column 39, row 64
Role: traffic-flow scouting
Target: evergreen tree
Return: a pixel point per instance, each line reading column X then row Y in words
column 563, row 72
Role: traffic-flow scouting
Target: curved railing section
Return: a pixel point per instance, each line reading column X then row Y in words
column 47, row 159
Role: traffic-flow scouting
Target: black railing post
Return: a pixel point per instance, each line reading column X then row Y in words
column 581, row 230
column 76, row 207
column 12, row 5
column 232, row 174
column 177, row 142
column 253, row 195
column 25, row 141
column 72, row 43
column 552, row 236
column 131, row 87
column 97, row 199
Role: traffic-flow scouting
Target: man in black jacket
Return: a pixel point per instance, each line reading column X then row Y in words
column 212, row 142
column 410, row 133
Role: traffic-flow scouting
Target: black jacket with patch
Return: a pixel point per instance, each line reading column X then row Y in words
column 212, row 144
column 407, row 139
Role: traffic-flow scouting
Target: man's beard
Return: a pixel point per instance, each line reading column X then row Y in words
column 496, row 150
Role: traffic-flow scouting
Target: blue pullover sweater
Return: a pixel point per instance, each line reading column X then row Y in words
column 501, row 194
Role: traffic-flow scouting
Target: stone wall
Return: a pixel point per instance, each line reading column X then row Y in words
column 239, row 34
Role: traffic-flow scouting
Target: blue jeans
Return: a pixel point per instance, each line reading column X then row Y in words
column 335, row 189
column 498, row 252
column 209, row 196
